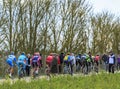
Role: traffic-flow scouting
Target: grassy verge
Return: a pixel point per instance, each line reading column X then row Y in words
column 100, row 81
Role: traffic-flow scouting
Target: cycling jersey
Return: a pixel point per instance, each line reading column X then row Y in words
column 21, row 61
column 36, row 58
column 22, row 58
column 10, row 60
column 88, row 58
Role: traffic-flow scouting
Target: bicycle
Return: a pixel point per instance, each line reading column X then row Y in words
column 85, row 67
column 96, row 67
column 67, row 69
column 7, row 73
column 35, row 72
column 21, row 72
column 47, row 71
column 78, row 65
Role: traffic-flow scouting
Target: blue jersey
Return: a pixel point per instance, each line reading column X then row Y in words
column 69, row 58
column 22, row 58
column 83, row 57
column 35, row 58
column 11, row 58
column 78, row 57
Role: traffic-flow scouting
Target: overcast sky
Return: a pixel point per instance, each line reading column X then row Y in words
column 109, row 5
column 102, row 5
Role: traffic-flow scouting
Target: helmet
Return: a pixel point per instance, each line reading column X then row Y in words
column 23, row 53
column 12, row 53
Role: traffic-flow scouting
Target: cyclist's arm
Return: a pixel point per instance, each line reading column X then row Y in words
column 15, row 60
column 31, row 59
column 25, row 60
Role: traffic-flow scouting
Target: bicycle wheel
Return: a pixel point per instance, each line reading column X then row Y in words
column 21, row 73
column 69, row 70
column 34, row 74
column 7, row 73
column 96, row 69
column 65, row 69
column 85, row 70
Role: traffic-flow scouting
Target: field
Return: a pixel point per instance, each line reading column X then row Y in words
column 99, row 81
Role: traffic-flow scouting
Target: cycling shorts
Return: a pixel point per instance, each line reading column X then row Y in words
column 9, row 62
column 34, row 64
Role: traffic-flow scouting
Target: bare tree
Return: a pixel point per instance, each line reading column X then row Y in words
column 103, row 28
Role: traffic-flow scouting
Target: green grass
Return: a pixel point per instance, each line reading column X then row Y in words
column 100, row 81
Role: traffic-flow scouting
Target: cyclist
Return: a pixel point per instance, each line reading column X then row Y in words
column 49, row 59
column 96, row 59
column 65, row 69
column 61, row 57
column 35, row 62
column 11, row 58
column 86, row 60
column 22, row 61
column 78, row 62
column 72, row 62
column 96, row 63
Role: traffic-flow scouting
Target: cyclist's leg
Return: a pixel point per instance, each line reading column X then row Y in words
column 79, row 65
column 19, row 67
column 18, row 64
column 37, row 68
column 83, row 66
column 10, row 67
column 24, row 66
column 87, row 65
column 96, row 66
column 47, row 70
column 32, row 65
column 33, row 68
column 11, row 71
column 65, row 67
column 69, row 68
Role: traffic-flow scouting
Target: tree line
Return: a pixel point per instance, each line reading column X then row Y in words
column 57, row 26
